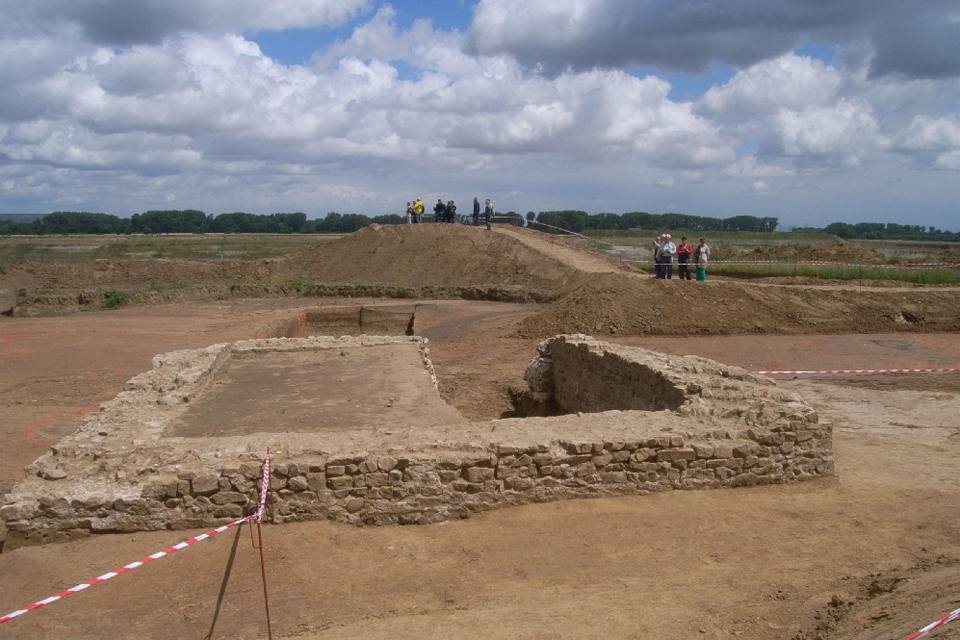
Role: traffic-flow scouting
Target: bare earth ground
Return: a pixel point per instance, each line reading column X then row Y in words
column 873, row 553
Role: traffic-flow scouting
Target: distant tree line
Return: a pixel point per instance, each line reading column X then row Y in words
column 582, row 221
column 192, row 221
column 884, row 231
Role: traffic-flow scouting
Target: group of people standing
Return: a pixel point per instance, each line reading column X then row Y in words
column 664, row 252
column 448, row 212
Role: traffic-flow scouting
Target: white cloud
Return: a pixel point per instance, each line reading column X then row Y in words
column 846, row 128
column 789, row 82
column 207, row 117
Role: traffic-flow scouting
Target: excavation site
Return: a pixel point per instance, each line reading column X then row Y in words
column 585, row 451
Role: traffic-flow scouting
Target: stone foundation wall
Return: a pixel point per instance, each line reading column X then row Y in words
column 728, row 429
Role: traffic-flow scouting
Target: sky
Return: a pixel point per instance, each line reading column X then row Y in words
column 809, row 111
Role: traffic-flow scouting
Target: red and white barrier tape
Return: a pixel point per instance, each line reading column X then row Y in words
column 844, row 371
column 258, row 515
column 544, row 224
column 808, row 263
column 950, row 617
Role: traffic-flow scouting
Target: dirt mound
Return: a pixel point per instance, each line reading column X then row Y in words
column 834, row 251
column 444, row 255
column 623, row 304
column 402, row 255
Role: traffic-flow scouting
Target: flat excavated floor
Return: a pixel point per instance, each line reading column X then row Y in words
column 317, row 391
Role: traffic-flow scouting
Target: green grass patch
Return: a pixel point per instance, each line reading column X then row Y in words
column 833, row 272
column 113, row 299
column 826, row 272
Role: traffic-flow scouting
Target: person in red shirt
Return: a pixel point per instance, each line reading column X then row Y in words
column 684, row 251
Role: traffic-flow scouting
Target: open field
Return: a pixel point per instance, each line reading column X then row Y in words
column 871, row 553
column 82, row 248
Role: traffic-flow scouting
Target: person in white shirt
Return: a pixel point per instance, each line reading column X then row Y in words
column 669, row 251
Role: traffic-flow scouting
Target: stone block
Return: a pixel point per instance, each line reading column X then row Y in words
column 376, row 479
column 722, row 451
column 387, row 464
column 298, row 483
column 478, row 474
column 205, row 483
column 703, row 450
column 316, row 481
column 602, row 460
column 228, row 511
column 339, row 483
column 354, row 504
column 53, row 474
column 542, row 459
column 334, row 470
column 673, row 455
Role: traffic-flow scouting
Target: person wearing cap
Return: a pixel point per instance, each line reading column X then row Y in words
column 669, row 250
column 418, row 211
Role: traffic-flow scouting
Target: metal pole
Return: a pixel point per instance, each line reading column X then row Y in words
column 263, row 573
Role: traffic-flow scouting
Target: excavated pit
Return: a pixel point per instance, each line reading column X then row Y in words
column 183, row 445
column 348, row 320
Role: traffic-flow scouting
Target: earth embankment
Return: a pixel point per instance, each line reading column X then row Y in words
column 587, row 291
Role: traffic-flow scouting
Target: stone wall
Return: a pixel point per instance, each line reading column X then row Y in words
column 722, row 427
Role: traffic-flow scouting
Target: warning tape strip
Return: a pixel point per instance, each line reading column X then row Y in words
column 950, row 617
column 913, row 265
column 844, row 371
column 258, row 515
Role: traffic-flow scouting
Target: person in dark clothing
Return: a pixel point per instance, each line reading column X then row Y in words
column 488, row 213
column 450, row 212
column 476, row 212
column 438, row 210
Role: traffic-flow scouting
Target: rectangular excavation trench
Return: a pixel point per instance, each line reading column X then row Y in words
column 316, row 391
column 162, row 454
column 349, row 320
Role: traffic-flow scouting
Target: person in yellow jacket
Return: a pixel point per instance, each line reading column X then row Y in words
column 418, row 211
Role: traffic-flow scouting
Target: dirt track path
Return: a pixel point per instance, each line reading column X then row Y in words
column 580, row 259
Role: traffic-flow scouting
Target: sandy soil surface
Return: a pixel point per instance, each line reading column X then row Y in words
column 317, row 392
column 872, row 553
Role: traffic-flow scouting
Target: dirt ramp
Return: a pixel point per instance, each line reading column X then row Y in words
column 623, row 304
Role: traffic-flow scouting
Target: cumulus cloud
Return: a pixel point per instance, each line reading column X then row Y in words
column 202, row 115
column 788, row 82
column 917, row 39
